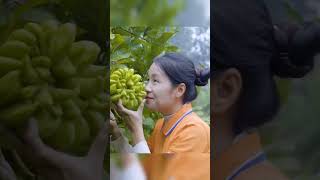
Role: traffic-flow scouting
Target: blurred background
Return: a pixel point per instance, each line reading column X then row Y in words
column 293, row 145
column 194, row 42
column 160, row 12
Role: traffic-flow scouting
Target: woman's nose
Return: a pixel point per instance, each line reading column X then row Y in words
column 147, row 87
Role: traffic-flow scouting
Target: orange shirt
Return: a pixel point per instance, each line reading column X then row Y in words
column 177, row 166
column 185, row 131
column 231, row 164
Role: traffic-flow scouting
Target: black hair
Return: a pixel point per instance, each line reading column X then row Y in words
column 180, row 69
column 260, row 51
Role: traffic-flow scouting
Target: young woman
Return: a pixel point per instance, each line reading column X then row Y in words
column 248, row 51
column 170, row 90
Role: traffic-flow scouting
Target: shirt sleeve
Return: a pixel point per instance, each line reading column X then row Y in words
column 191, row 138
column 141, row 147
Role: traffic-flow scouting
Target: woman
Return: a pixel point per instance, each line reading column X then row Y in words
column 248, row 51
column 170, row 90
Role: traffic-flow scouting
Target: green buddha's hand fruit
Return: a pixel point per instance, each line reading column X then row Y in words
column 127, row 86
column 46, row 75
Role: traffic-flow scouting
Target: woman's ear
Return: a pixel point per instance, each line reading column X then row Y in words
column 225, row 91
column 180, row 90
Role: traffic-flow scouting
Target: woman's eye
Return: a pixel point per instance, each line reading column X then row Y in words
column 155, row 80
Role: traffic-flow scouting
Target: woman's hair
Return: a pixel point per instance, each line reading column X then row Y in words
column 180, row 69
column 260, row 51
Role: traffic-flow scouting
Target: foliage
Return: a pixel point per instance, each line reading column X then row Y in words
column 144, row 12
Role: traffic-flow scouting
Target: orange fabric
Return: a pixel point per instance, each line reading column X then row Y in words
column 238, row 153
column 192, row 134
column 177, row 166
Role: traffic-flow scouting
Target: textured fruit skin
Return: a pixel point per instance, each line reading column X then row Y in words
column 128, row 87
column 46, row 75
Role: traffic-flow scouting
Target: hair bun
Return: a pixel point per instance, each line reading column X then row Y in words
column 202, row 77
column 296, row 48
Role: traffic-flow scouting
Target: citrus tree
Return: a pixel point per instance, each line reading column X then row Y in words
column 144, row 12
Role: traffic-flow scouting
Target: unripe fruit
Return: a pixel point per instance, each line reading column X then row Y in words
column 46, row 75
column 126, row 85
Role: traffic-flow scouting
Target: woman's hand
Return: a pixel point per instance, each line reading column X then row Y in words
column 134, row 121
column 63, row 165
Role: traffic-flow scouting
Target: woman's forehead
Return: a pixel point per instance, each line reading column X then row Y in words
column 155, row 70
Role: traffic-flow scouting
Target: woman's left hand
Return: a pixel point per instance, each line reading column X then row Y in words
column 135, row 121
column 62, row 164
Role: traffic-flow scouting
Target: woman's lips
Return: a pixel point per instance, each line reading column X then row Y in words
column 148, row 97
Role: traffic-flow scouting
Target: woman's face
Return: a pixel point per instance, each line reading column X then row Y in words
column 161, row 94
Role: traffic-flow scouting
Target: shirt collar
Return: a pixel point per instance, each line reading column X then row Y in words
column 172, row 121
column 243, row 149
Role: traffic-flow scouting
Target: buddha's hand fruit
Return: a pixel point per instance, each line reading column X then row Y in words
column 127, row 86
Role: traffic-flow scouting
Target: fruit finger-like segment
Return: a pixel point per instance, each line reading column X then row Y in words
column 10, row 87
column 89, row 87
column 17, row 114
column 82, row 131
column 84, row 52
column 71, row 109
column 64, row 68
column 96, row 105
column 14, row 49
column 95, row 121
column 60, row 94
column 41, row 61
column 23, row 36
column 64, row 136
column 62, row 41
column 30, row 76
column 44, row 74
column 29, row 92
column 55, row 110
column 49, row 29
column 9, row 64
column 47, row 123
column 44, row 97
column 37, row 31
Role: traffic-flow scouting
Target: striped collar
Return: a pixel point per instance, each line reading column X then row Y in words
column 246, row 148
column 173, row 122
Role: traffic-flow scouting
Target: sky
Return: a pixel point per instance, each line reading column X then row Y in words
column 196, row 13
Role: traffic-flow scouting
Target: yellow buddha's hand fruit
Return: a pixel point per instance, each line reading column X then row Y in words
column 127, row 86
column 46, row 75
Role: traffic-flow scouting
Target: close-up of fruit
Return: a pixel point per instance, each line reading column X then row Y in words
column 46, row 75
column 128, row 87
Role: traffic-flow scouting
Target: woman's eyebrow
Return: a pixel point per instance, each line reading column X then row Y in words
column 154, row 75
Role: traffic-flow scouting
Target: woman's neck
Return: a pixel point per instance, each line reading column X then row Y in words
column 174, row 110
column 223, row 136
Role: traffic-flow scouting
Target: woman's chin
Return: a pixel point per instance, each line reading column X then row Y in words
column 150, row 106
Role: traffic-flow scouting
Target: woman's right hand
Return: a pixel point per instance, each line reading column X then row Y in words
column 134, row 121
